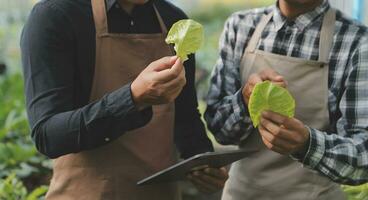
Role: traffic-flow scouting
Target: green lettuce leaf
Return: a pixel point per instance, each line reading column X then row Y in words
column 271, row 97
column 187, row 35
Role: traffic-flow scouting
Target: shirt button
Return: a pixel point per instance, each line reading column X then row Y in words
column 107, row 139
column 132, row 23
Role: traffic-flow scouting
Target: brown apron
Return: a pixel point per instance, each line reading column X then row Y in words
column 267, row 175
column 111, row 171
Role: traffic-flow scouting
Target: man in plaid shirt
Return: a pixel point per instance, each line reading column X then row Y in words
column 341, row 153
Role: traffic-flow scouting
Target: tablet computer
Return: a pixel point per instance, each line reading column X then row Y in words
column 180, row 170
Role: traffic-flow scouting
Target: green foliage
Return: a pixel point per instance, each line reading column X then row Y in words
column 187, row 35
column 267, row 96
column 17, row 152
column 356, row 192
column 12, row 113
column 11, row 188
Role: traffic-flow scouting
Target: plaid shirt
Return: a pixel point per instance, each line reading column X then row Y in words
column 342, row 153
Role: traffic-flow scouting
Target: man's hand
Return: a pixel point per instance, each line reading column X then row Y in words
column 209, row 180
column 160, row 83
column 264, row 75
column 283, row 135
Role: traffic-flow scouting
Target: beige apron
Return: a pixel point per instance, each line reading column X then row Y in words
column 111, row 171
column 267, row 175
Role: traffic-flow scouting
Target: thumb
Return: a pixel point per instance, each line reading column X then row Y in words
column 172, row 73
column 178, row 67
column 271, row 75
column 283, row 84
column 164, row 63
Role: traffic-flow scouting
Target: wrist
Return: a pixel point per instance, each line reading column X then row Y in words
column 303, row 150
column 137, row 97
column 305, row 147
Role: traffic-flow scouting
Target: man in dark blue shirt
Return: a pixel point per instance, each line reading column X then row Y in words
column 59, row 57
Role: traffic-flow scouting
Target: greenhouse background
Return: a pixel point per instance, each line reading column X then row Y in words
column 24, row 173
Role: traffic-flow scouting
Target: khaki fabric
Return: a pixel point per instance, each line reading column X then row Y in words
column 268, row 175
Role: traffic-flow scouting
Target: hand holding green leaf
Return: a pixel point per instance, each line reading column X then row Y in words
column 187, row 35
column 267, row 96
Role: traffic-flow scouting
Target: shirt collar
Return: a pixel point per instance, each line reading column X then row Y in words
column 110, row 4
column 301, row 21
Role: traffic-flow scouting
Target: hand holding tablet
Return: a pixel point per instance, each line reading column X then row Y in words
column 182, row 169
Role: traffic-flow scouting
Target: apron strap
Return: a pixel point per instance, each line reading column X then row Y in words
column 327, row 35
column 161, row 21
column 258, row 33
column 326, row 38
column 100, row 18
column 99, row 15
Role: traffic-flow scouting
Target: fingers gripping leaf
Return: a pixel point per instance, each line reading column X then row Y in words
column 268, row 96
column 187, row 35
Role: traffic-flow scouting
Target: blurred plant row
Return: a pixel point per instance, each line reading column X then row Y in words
column 24, row 173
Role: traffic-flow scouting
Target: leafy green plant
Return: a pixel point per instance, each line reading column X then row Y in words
column 17, row 152
column 356, row 192
column 268, row 96
column 187, row 35
column 11, row 188
column 12, row 112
